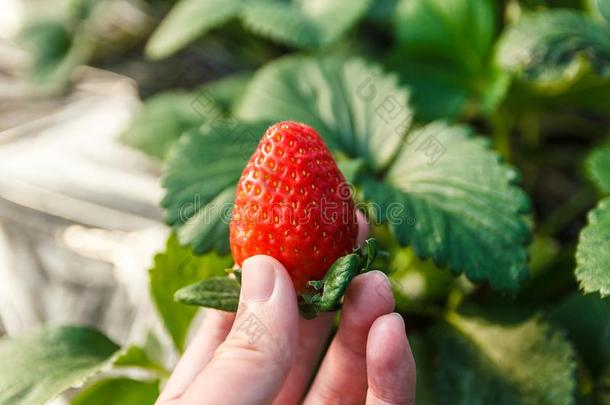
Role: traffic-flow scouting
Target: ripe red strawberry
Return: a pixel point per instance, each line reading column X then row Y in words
column 293, row 203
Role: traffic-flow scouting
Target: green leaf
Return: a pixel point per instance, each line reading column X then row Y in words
column 370, row 252
column 382, row 10
column 41, row 364
column 188, row 20
column 442, row 91
column 593, row 251
column 173, row 269
column 80, row 9
column 303, row 23
column 336, row 281
column 555, row 48
column 135, row 356
column 434, row 27
column 355, row 107
column 153, row 348
column 216, row 292
column 587, row 92
column 49, row 42
column 444, row 56
column 586, row 321
column 200, row 176
column 118, row 391
column 351, row 169
column 416, row 282
column 56, row 51
column 449, row 197
column 226, row 92
column 481, row 362
column 604, row 9
column 600, row 9
column 328, row 293
column 598, row 166
column 543, row 252
column 165, row 117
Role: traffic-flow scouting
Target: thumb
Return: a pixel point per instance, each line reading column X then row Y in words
column 251, row 365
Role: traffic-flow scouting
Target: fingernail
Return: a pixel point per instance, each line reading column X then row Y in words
column 258, row 279
column 383, row 286
column 382, row 282
column 398, row 321
column 388, row 324
column 380, row 275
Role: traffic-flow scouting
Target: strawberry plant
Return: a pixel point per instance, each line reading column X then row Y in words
column 473, row 136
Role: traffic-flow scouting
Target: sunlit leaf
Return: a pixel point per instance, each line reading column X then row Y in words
column 41, row 364
column 118, row 391
column 600, row 9
column 227, row 92
column 163, row 119
column 467, row 22
column 200, row 177
column 188, row 20
column 166, row 116
column 449, row 197
column 593, row 251
column 135, row 356
column 49, row 41
column 520, row 363
column 598, row 165
column 586, row 321
column 356, row 108
column 303, row 23
column 55, row 51
column 215, row 292
column 416, row 281
column 444, row 56
column 173, row 269
column 555, row 48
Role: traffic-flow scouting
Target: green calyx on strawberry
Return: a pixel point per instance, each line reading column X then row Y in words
column 330, row 290
column 292, row 203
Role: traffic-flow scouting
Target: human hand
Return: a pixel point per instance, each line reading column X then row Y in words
column 267, row 352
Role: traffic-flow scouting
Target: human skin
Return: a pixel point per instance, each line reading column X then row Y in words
column 267, row 353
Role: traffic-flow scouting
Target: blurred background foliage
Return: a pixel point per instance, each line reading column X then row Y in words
column 516, row 93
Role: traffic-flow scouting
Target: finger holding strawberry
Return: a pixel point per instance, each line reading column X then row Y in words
column 267, row 353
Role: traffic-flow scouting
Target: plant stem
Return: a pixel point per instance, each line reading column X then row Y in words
column 502, row 128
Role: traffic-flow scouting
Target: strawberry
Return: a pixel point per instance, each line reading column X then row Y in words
column 293, row 203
